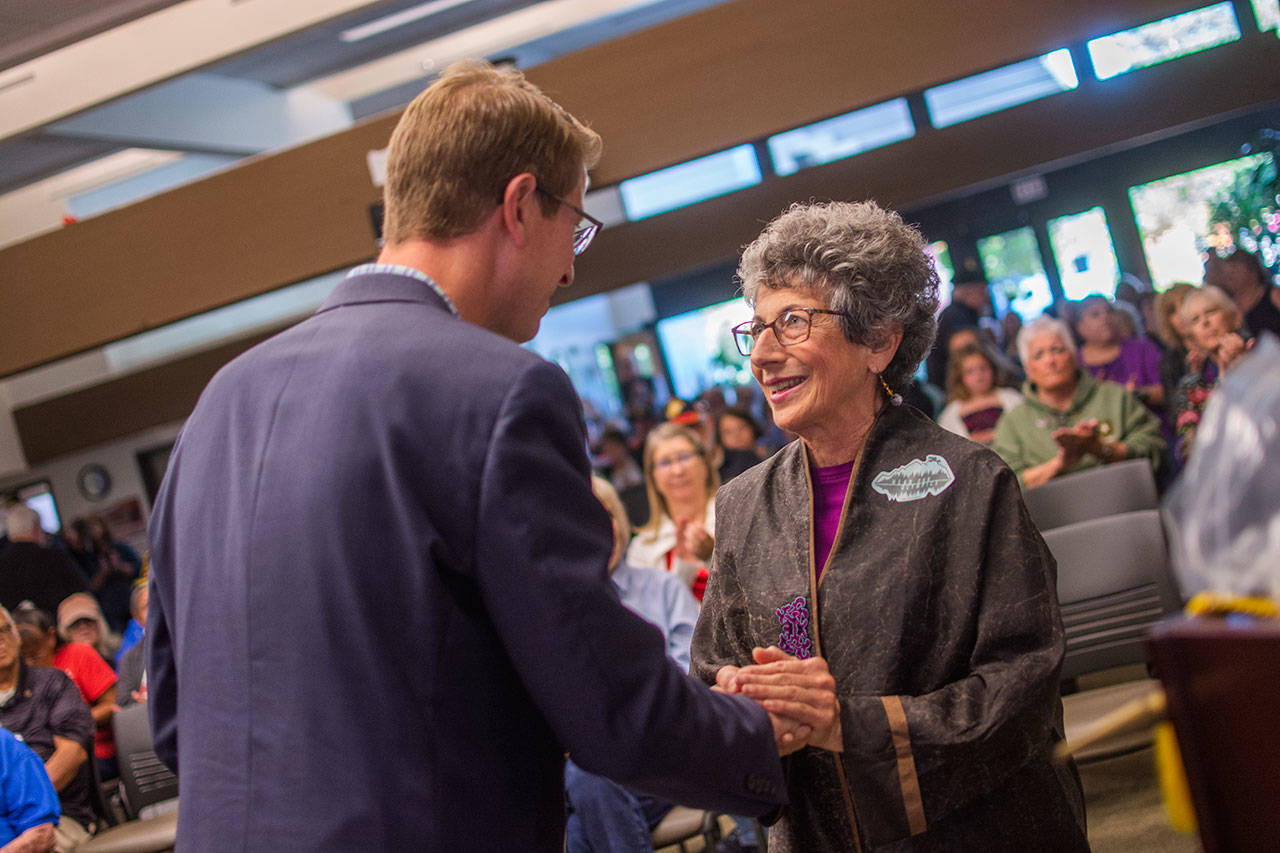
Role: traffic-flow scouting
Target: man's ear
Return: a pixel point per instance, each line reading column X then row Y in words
column 518, row 203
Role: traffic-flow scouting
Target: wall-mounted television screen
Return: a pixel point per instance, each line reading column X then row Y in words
column 699, row 349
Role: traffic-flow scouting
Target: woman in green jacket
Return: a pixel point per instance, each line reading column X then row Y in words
column 1069, row 421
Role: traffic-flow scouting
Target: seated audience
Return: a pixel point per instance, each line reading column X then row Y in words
column 975, row 403
column 28, row 804
column 115, row 566
column 624, row 474
column 42, row 706
column 1108, row 354
column 738, row 437
column 132, row 686
column 80, row 620
column 1068, row 421
column 1212, row 322
column 682, row 483
column 1178, row 354
column 41, row 646
column 29, row 571
column 603, row 815
column 970, row 301
column 1249, row 285
column 1010, row 325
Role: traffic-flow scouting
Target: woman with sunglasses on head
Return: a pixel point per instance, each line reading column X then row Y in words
column 889, row 556
column 682, row 483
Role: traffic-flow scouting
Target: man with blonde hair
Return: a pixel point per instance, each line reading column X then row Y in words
column 379, row 610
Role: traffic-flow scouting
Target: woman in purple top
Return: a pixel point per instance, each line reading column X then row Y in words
column 888, row 556
column 1131, row 362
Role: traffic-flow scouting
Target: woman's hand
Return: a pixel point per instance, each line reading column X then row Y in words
column 1074, row 442
column 1196, row 358
column 1230, row 347
column 801, row 691
column 693, row 542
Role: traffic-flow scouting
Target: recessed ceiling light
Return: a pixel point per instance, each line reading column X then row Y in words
column 398, row 19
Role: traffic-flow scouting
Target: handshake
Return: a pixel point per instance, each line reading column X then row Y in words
column 798, row 694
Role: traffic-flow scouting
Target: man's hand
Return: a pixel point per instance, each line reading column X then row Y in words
column 801, row 692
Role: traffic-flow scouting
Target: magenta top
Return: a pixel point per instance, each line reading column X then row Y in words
column 829, row 487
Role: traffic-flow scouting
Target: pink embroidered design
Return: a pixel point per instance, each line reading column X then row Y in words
column 794, row 621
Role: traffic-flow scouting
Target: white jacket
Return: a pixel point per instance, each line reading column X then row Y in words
column 649, row 548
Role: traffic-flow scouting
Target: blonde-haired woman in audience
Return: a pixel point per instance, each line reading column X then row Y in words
column 681, row 482
column 1180, row 354
column 975, row 402
column 1212, row 322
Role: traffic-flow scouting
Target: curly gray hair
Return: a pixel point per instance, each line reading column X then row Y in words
column 864, row 261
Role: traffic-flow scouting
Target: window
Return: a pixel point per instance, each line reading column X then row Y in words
column 1163, row 40
column 992, row 91
column 840, row 137
column 1016, row 273
column 1267, row 14
column 689, row 183
column 1175, row 217
column 1085, row 254
column 940, row 254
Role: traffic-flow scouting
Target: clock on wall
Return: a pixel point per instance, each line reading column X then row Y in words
column 94, row 482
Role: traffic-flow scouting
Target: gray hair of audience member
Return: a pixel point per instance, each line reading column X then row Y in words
column 864, row 262
column 22, row 522
column 1039, row 326
column 608, row 495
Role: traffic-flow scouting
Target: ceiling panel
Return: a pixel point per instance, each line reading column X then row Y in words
column 29, row 28
column 37, row 156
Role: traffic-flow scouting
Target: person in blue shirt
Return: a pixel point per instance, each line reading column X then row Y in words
column 603, row 815
column 28, row 804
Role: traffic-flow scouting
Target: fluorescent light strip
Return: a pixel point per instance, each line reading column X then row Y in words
column 398, row 19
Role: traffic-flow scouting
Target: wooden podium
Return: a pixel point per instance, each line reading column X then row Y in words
column 1222, row 680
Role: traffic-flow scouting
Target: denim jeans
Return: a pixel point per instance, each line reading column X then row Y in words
column 605, row 817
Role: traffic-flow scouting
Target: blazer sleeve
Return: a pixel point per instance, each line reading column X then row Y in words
column 599, row 673
column 926, row 756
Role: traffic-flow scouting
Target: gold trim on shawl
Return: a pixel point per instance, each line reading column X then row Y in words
column 907, row 779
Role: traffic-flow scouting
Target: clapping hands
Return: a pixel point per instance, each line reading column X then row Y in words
column 1075, row 441
column 798, row 694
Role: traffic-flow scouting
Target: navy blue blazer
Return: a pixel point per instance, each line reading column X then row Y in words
column 380, row 612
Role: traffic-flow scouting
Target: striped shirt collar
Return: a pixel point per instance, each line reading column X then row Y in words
column 399, row 269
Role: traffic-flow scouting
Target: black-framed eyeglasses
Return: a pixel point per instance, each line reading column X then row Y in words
column 790, row 327
column 587, row 226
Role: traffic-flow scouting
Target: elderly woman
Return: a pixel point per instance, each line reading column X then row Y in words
column 1212, row 323
column 889, row 555
column 681, row 481
column 1069, row 421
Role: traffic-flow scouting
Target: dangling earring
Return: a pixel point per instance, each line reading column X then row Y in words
column 894, row 399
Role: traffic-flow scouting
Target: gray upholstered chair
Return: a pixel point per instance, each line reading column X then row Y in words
column 1114, row 585
column 1125, row 486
